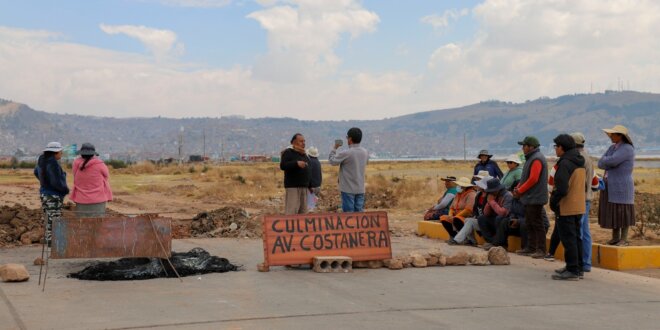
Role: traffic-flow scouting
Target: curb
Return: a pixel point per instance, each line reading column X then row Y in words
column 604, row 256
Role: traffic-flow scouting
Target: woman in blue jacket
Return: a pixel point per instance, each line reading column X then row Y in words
column 486, row 164
column 53, row 188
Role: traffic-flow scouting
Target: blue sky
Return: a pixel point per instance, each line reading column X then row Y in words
column 314, row 59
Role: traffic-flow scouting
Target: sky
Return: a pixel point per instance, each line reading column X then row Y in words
column 318, row 59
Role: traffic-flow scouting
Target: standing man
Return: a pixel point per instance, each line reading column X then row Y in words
column 352, row 164
column 533, row 193
column 567, row 201
column 297, row 175
column 591, row 185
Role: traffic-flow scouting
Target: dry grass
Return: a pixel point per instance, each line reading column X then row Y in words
column 413, row 185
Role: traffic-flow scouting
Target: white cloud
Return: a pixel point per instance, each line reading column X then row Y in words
column 302, row 35
column 525, row 49
column 439, row 22
column 57, row 76
column 161, row 43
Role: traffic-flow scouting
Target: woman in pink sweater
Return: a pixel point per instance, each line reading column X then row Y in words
column 91, row 189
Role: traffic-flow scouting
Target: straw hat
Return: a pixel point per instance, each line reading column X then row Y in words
column 464, row 182
column 481, row 174
column 313, row 152
column 618, row 129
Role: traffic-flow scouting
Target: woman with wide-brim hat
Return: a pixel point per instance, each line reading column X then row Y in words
column 91, row 189
column 616, row 209
column 52, row 185
column 486, row 164
column 460, row 208
column 515, row 171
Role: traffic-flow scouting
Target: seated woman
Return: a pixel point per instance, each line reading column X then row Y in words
column 465, row 236
column 461, row 207
column 442, row 207
column 486, row 164
column 515, row 171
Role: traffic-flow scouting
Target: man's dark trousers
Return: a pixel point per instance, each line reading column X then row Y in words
column 569, row 234
column 535, row 229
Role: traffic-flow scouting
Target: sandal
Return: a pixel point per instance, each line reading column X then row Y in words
column 613, row 242
column 622, row 243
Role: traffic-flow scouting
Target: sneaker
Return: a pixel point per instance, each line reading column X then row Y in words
column 524, row 252
column 566, row 276
column 563, row 269
column 538, row 254
column 452, row 241
column 549, row 257
column 488, row 246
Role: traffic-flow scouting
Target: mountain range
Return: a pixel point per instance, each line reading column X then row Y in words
column 494, row 125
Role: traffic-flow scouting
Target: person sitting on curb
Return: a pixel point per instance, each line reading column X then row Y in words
column 442, row 207
column 486, row 164
column 496, row 211
column 515, row 171
column 461, row 207
column 465, row 236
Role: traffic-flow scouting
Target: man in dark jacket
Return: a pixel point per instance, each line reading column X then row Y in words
column 297, row 175
column 567, row 201
column 533, row 193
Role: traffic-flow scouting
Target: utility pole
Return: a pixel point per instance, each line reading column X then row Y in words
column 181, row 145
column 204, row 147
column 464, row 147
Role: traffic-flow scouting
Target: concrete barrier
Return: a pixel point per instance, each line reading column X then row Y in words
column 604, row 256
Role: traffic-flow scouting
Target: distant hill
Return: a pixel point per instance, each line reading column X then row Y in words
column 493, row 124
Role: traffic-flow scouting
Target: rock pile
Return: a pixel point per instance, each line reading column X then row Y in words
column 20, row 225
column 436, row 257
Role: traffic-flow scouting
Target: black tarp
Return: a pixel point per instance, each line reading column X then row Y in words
column 195, row 261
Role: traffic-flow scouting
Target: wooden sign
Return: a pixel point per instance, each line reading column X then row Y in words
column 296, row 239
column 112, row 237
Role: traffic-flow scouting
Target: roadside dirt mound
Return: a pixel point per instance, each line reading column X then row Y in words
column 20, row 225
column 380, row 198
column 228, row 221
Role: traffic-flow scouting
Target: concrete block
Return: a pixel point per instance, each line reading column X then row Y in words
column 332, row 264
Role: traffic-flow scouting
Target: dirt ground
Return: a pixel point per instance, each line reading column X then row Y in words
column 228, row 200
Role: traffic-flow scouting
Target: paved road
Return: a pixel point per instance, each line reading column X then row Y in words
column 519, row 296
